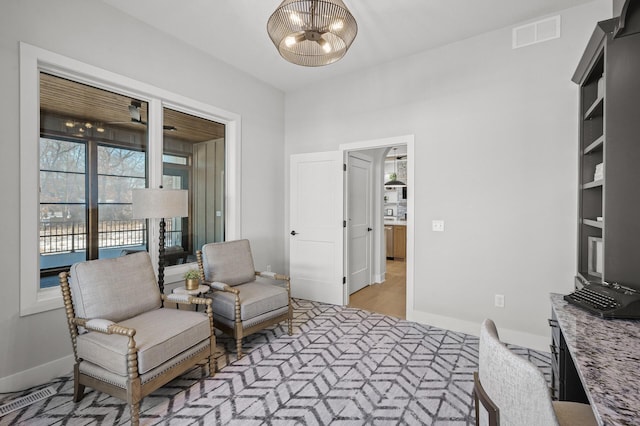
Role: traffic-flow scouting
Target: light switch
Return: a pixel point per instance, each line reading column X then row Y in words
column 437, row 225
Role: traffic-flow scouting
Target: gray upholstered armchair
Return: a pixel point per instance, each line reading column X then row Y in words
column 244, row 301
column 513, row 392
column 125, row 342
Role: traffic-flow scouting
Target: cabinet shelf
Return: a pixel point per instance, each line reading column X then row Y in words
column 595, row 145
column 594, row 223
column 594, row 184
column 595, row 109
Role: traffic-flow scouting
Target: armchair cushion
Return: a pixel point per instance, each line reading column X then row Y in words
column 161, row 334
column 95, row 281
column 574, row 413
column 229, row 262
column 256, row 298
column 121, row 381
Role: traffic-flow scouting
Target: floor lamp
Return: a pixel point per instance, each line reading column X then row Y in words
column 160, row 203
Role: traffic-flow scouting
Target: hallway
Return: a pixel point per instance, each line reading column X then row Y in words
column 388, row 298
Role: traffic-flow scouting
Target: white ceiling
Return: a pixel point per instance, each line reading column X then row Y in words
column 234, row 31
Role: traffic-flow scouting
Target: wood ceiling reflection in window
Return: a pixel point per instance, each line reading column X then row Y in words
column 68, row 99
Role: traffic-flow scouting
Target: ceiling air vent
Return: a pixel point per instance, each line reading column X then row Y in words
column 536, row 32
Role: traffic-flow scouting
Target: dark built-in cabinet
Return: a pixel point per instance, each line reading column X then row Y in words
column 565, row 381
column 609, row 173
column 609, row 158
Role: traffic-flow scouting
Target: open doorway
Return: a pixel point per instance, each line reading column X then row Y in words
column 391, row 254
column 388, row 297
column 319, row 247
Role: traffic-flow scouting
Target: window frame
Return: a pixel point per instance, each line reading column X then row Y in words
column 34, row 60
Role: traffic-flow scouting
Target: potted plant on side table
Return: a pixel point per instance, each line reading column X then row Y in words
column 192, row 279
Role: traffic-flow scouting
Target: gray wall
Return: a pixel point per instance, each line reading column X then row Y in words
column 496, row 158
column 94, row 33
column 617, row 6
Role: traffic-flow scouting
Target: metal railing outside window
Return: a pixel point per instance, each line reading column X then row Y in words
column 62, row 236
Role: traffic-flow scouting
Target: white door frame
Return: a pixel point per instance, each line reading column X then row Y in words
column 407, row 140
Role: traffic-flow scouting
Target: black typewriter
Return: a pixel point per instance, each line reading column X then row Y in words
column 608, row 300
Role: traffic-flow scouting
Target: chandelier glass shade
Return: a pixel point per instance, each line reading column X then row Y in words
column 312, row 33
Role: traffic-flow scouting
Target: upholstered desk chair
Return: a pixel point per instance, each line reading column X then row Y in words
column 514, row 392
column 124, row 342
column 244, row 301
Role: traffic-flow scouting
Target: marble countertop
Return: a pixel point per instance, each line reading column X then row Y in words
column 607, row 356
column 396, row 222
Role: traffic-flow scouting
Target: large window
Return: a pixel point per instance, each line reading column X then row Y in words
column 93, row 152
column 86, row 143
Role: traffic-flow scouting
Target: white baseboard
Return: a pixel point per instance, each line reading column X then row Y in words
column 379, row 278
column 515, row 337
column 35, row 376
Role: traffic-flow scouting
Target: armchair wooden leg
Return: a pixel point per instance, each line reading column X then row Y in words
column 78, row 389
column 238, row 331
column 212, row 361
column 239, row 347
column 135, row 414
column 212, row 365
column 213, row 354
column 133, row 397
column 213, row 346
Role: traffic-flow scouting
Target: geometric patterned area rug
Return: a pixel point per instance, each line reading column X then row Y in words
column 341, row 366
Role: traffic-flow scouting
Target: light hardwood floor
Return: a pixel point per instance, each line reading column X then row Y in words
column 388, row 298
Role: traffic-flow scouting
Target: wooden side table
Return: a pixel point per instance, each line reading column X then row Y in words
column 197, row 292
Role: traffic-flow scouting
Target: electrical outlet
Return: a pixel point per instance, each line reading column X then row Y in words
column 268, row 268
column 499, row 300
column 437, row 225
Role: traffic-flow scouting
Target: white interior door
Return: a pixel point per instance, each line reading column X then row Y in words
column 359, row 170
column 316, row 227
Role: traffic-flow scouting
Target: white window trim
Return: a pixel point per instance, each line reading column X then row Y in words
column 33, row 60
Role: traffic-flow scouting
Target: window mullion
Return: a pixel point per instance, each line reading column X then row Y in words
column 154, row 147
column 91, row 187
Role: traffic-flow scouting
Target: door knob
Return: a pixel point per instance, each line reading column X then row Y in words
column 369, row 229
column 293, row 232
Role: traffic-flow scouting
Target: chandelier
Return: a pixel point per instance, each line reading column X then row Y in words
column 312, row 33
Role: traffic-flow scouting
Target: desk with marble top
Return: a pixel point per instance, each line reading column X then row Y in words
column 606, row 356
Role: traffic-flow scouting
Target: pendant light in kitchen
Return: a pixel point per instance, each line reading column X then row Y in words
column 394, row 176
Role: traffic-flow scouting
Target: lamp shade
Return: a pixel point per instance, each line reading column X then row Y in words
column 312, row 32
column 150, row 203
